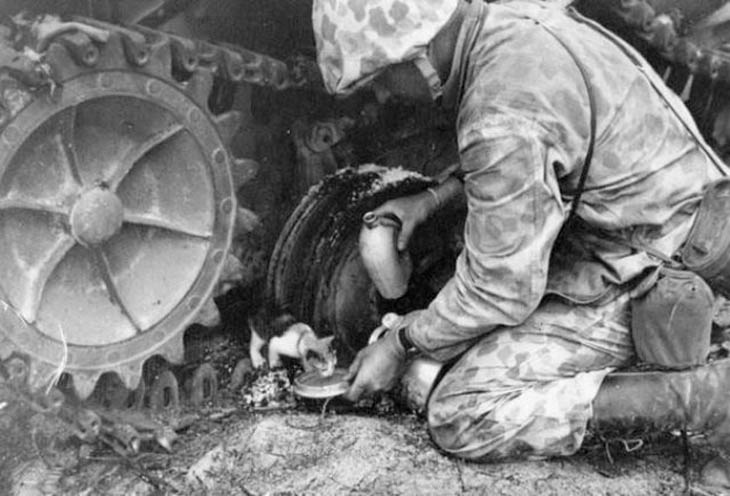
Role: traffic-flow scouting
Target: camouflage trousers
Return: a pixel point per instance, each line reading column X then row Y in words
column 527, row 390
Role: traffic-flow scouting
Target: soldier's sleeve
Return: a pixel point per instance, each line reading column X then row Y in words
column 514, row 215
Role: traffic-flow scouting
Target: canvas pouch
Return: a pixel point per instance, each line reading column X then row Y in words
column 671, row 323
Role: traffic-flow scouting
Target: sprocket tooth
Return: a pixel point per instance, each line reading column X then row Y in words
column 159, row 61
column 246, row 221
column 199, row 86
column 164, row 392
column 209, row 315
column 84, row 383
column 79, row 45
column 113, row 56
column 62, row 64
column 135, row 48
column 130, row 374
column 243, row 170
column 203, row 385
column 228, row 125
column 174, row 350
column 231, row 276
column 184, row 56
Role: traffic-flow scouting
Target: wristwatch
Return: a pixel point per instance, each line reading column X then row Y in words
column 405, row 340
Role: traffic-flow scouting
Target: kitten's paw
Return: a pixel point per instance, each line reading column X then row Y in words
column 257, row 359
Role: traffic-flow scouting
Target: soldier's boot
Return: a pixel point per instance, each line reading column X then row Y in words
column 697, row 399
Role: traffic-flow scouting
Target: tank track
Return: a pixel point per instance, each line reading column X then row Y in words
column 40, row 61
column 681, row 36
column 123, row 421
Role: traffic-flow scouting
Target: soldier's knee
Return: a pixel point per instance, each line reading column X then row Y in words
column 461, row 426
column 445, row 433
column 442, row 425
column 453, row 427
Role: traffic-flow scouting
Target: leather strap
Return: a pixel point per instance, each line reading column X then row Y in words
column 592, row 140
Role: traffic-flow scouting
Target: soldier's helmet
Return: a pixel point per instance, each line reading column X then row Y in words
column 357, row 39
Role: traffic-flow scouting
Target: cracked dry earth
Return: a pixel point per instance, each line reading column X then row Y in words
column 298, row 452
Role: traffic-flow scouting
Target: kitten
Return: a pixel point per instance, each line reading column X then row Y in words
column 286, row 336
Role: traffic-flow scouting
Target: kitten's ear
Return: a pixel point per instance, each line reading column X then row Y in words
column 328, row 340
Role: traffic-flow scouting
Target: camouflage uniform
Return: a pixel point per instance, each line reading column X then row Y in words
column 528, row 389
column 356, row 40
column 537, row 329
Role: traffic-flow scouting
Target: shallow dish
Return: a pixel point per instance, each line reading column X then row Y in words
column 313, row 385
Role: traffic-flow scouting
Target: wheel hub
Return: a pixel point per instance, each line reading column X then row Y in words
column 96, row 216
column 317, row 271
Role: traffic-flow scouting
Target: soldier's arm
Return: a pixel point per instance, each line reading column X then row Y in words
column 514, row 215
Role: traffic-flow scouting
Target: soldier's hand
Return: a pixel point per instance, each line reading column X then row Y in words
column 378, row 367
column 411, row 210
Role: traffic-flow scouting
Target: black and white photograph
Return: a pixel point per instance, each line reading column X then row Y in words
column 365, row 247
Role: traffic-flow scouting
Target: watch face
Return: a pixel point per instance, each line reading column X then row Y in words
column 314, row 385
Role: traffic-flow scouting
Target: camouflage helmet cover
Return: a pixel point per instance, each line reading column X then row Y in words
column 357, row 39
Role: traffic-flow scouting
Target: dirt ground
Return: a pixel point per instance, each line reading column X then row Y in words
column 297, row 448
column 302, row 451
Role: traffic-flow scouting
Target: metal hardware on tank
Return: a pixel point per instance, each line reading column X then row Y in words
column 389, row 269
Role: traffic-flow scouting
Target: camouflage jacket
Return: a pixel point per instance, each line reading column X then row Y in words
column 523, row 132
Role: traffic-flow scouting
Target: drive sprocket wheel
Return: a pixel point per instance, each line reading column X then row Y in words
column 116, row 208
